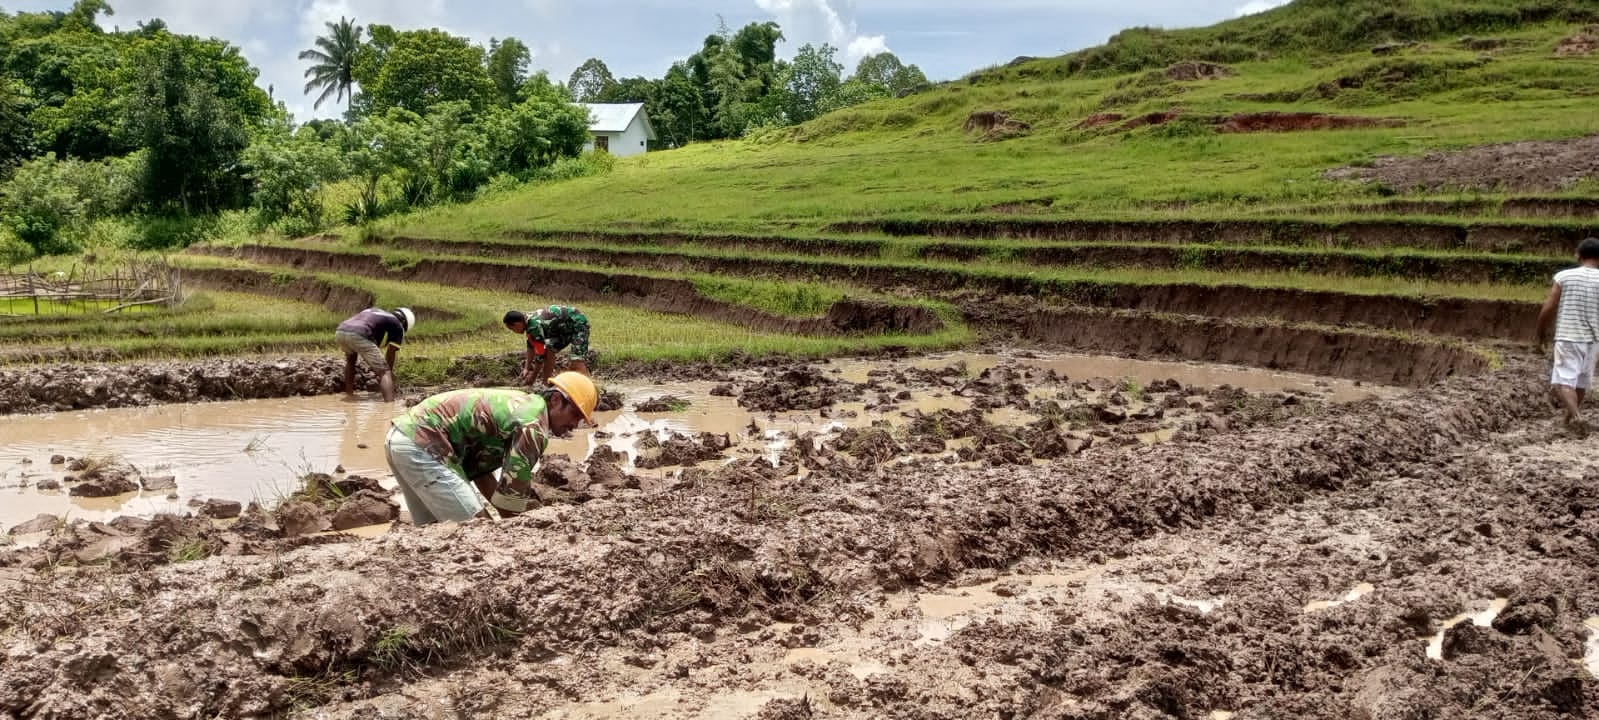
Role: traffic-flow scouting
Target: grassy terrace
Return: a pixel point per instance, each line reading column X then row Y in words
column 229, row 323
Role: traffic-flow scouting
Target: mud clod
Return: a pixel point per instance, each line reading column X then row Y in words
column 105, row 479
column 42, row 523
column 221, row 509
column 365, row 508
column 802, row 387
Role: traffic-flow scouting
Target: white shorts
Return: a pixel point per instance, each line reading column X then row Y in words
column 1574, row 363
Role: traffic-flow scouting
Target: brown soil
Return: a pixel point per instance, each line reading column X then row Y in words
column 1299, row 122
column 1198, row 70
column 995, row 125
column 1579, row 45
column 698, row 589
column 1528, row 166
column 71, row 387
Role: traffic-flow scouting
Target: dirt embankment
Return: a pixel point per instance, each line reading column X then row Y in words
column 1529, row 207
column 1457, row 317
column 74, row 387
column 851, row 315
column 747, row 544
column 1560, row 240
column 751, row 243
column 1462, row 268
column 1373, row 357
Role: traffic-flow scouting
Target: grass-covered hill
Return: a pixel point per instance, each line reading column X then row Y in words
column 1138, row 125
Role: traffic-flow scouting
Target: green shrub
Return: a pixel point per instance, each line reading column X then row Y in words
column 568, row 168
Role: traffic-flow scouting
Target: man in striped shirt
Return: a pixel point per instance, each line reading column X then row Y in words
column 1572, row 311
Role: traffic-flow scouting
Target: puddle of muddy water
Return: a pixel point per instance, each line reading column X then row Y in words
column 1355, row 593
column 1480, row 618
column 247, row 450
column 1590, row 656
column 256, row 450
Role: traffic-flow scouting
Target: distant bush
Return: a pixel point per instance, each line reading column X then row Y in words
column 172, row 230
column 568, row 168
column 47, row 203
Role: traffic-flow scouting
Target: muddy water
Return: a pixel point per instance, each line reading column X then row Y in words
column 255, row 450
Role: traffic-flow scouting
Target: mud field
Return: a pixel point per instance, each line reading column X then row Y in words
column 926, row 538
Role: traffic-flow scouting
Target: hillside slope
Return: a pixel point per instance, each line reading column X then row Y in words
column 1151, row 122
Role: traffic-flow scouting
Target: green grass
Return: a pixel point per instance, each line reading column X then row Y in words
column 910, row 157
column 235, row 324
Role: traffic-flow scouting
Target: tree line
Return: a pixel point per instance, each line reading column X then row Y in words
column 148, row 138
column 735, row 83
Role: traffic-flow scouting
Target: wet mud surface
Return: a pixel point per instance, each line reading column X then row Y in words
column 1213, row 574
column 74, row 387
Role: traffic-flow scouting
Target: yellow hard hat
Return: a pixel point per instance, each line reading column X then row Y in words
column 580, row 390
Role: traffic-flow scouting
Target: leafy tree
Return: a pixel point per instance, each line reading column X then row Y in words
column 378, row 145
column 16, row 131
column 630, row 90
column 590, row 81
column 47, row 200
column 678, row 110
column 81, row 17
column 290, row 172
column 535, row 133
column 508, row 61
column 886, row 71
column 422, row 68
column 813, row 77
column 333, row 62
column 540, row 86
column 191, row 105
column 853, row 92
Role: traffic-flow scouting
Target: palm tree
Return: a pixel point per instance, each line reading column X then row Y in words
column 333, row 60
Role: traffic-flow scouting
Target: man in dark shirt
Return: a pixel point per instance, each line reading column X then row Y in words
column 548, row 331
column 374, row 335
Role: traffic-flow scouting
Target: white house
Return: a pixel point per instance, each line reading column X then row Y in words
column 621, row 129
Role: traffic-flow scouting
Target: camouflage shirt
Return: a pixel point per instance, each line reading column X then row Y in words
column 555, row 328
column 475, row 431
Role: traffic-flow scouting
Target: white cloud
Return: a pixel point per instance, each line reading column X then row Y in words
column 1258, row 6
column 819, row 21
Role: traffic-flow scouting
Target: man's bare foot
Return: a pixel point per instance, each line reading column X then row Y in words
column 1577, row 427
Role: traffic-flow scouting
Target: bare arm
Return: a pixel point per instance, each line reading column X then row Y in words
column 391, row 354
column 1546, row 316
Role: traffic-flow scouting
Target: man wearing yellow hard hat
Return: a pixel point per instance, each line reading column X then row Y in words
column 452, row 441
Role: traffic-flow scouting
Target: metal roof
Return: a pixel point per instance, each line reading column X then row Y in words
column 611, row 117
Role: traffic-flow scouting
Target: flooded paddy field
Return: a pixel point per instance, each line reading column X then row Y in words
column 945, row 536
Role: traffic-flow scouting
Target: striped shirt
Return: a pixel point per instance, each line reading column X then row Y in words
column 1578, row 319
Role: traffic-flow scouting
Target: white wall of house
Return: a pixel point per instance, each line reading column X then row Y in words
column 632, row 141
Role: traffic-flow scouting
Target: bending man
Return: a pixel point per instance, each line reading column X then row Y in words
column 549, row 331
column 374, row 335
column 1572, row 310
column 455, row 440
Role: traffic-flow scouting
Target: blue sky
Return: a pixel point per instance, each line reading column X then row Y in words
column 947, row 38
